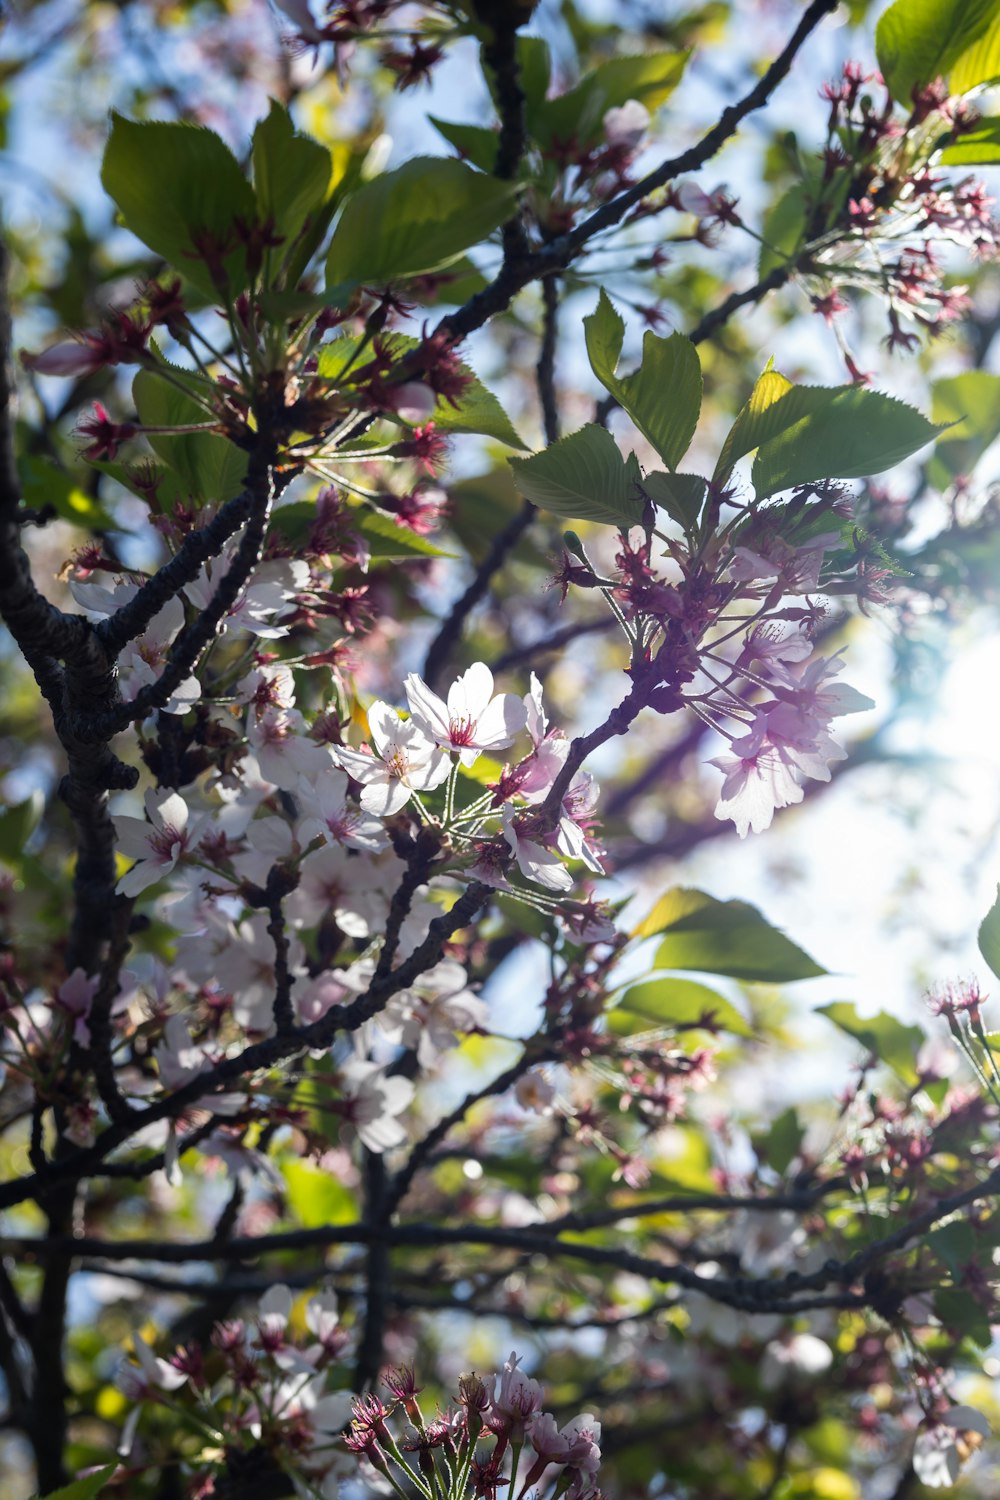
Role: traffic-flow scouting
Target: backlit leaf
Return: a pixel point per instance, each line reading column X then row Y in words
column 886, row 1038
column 917, row 41
column 989, row 936
column 683, row 1002
column 723, row 937
column 174, row 183
column 583, row 477
column 414, row 220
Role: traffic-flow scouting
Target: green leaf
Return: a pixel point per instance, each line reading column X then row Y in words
column 415, row 220
column 979, row 147
column 961, row 1313
column 783, row 229
column 173, row 182
column 583, row 477
column 954, row 1244
column 683, row 1002
column 680, row 495
column 86, row 1488
column 663, row 397
column 917, row 41
column 208, row 465
column 479, row 411
column 604, row 332
column 840, row 432
column 970, row 401
column 474, row 143
column 17, row 823
column 761, row 418
column 886, row 1038
column 386, row 539
column 579, row 113
column 43, row 484
column 989, row 936
column 291, row 173
column 315, row 1197
column 781, row 1145
column 980, row 63
column 723, row 937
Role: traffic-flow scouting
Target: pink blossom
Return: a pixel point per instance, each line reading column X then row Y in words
column 409, row 761
column 472, row 720
column 158, row 844
column 518, row 1398
column 577, row 1444
column 626, row 125
column 75, row 996
column 373, row 1102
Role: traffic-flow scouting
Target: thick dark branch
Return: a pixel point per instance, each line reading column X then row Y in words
column 196, row 635
column 99, row 1019
column 198, row 546
column 748, row 1293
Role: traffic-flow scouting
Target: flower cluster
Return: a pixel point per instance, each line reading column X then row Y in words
column 496, row 1437
column 270, row 1387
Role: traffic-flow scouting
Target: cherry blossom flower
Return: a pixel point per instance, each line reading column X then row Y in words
column 75, row 996
column 350, row 888
column 472, row 720
column 261, row 604
column 538, row 864
column 373, row 1102
column 284, row 753
column 944, row 1446
column 758, row 781
column 429, row 1014
column 332, row 817
column 517, row 1400
column 626, row 125
column 158, row 844
column 150, row 1374
column 796, row 1360
column 409, row 762
column 577, row 1444
column 142, row 660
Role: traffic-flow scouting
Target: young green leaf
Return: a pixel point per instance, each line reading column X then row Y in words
column 971, row 401
column 683, row 1002
column 87, row 1487
column 980, row 63
column 989, row 936
column 723, row 937
column 783, row 228
column 886, row 1038
column 209, row 467
column 604, row 332
column 578, row 115
column 781, row 1144
column 761, row 418
column 415, row 220
column 844, row 432
column 917, row 41
column 179, row 188
column 978, row 147
column 583, row 477
column 680, row 495
column 291, row 173
column 663, row 397
column 474, row 143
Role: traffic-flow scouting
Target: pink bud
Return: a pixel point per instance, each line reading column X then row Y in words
column 626, row 125
column 413, row 401
column 71, row 357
